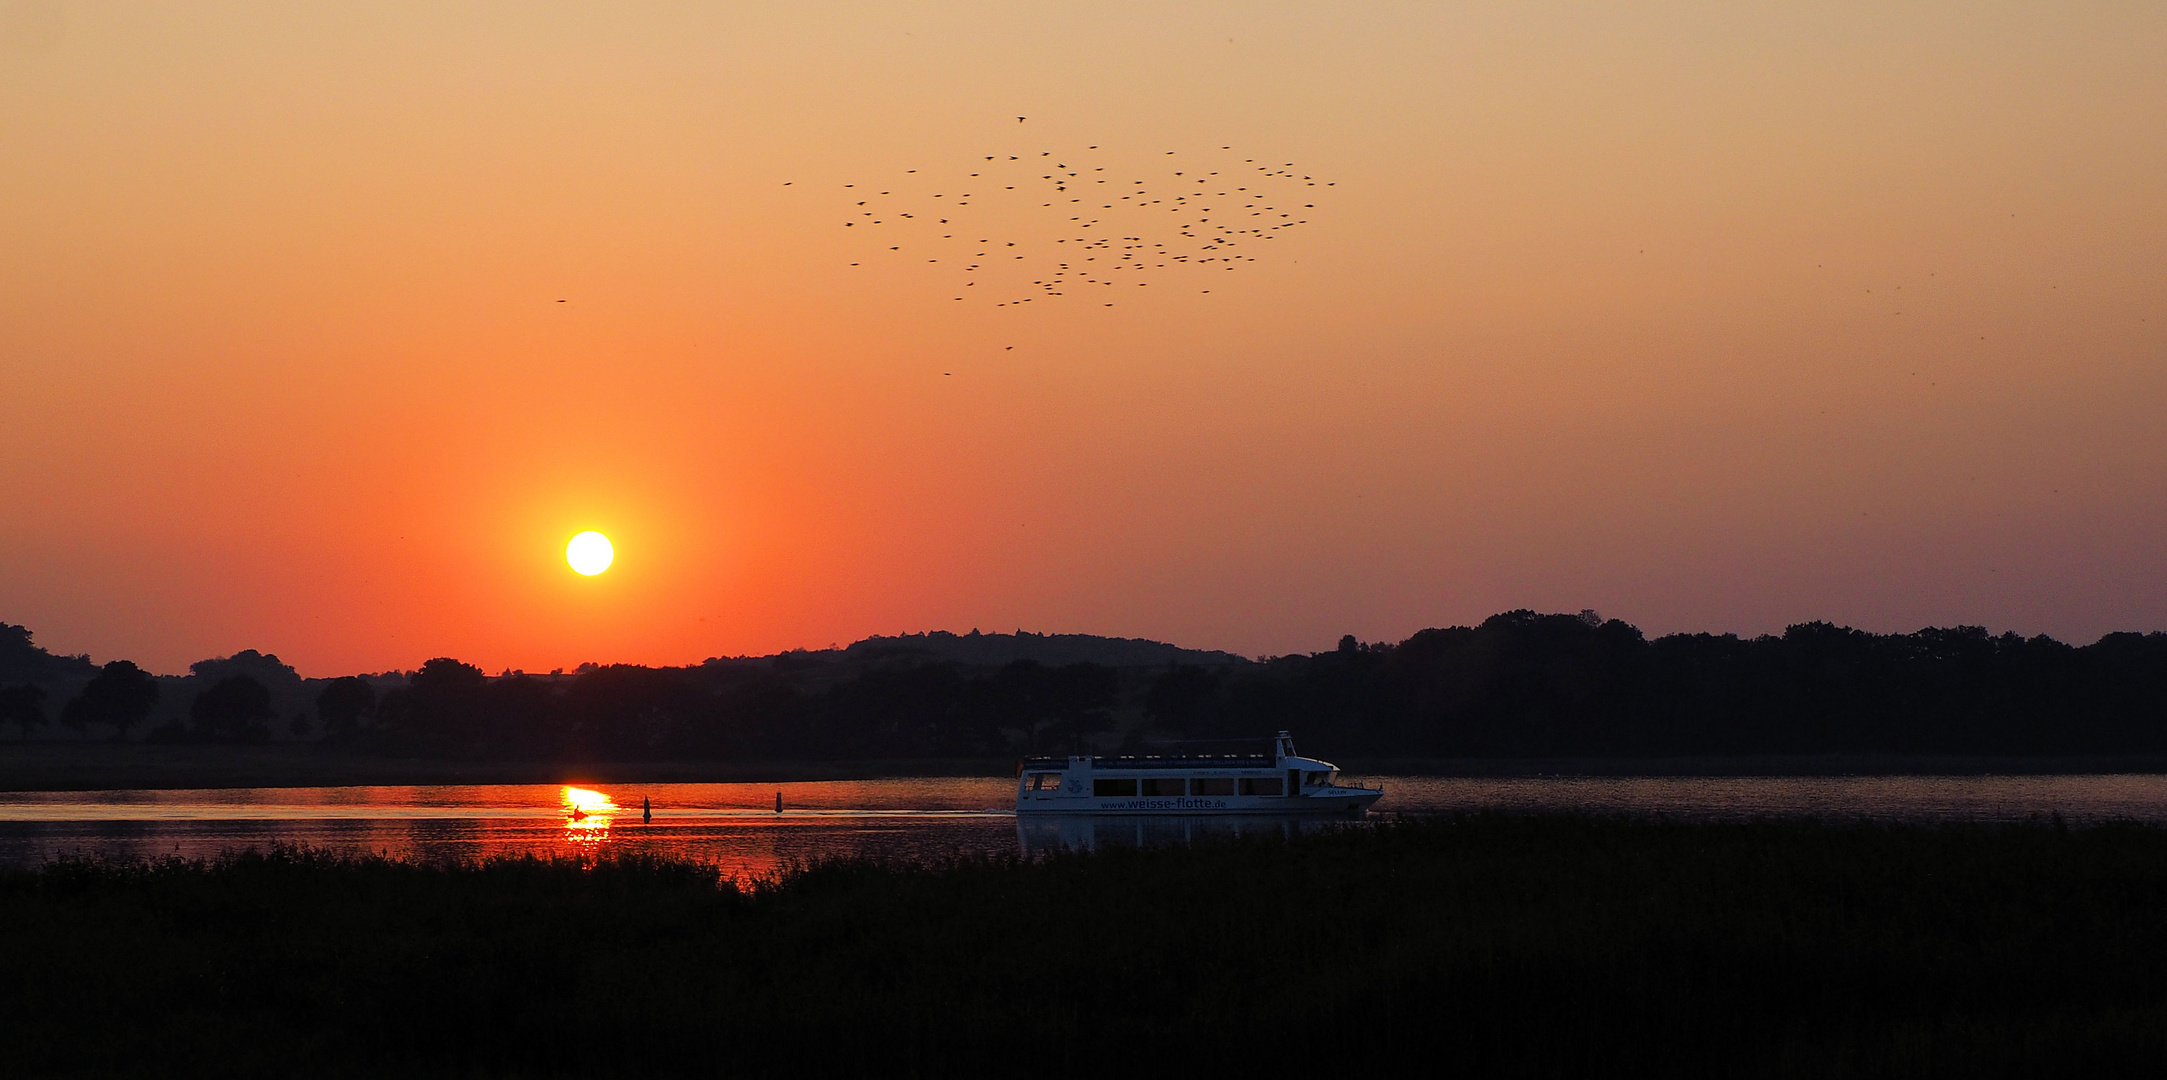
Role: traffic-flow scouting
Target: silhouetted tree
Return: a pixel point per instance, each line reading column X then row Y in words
column 1181, row 698
column 23, row 661
column 342, row 703
column 23, row 706
column 265, row 668
column 120, row 695
column 437, row 711
column 1084, row 694
column 446, row 680
column 235, row 708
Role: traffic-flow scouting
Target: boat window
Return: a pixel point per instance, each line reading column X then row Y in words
column 1263, row 785
column 1316, row 779
column 1046, row 781
column 1212, row 785
column 1104, row 787
column 1162, row 785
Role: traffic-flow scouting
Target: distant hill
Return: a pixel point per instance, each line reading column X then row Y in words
column 1053, row 650
column 1522, row 685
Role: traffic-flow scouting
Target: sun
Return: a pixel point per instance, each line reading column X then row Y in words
column 590, row 553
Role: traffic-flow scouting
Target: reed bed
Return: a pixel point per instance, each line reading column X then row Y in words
column 1485, row 945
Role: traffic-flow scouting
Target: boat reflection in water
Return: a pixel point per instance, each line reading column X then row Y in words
column 1043, row 834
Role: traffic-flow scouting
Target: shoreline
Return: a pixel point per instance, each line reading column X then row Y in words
column 1762, row 765
column 80, row 766
column 90, row 766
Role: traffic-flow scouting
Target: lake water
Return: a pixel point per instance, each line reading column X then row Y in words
column 737, row 827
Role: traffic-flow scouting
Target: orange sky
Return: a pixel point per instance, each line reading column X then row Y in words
column 1706, row 316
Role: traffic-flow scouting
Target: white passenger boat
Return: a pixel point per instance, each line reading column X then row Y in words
column 1280, row 782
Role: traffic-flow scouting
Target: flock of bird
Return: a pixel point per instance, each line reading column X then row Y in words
column 1036, row 226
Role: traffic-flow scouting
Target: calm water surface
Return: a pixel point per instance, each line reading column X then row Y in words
column 736, row 825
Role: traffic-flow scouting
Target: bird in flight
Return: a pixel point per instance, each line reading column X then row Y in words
column 1021, row 119
column 1169, row 227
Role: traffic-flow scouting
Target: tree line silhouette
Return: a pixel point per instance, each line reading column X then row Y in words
column 1528, row 685
column 1520, row 684
column 726, row 710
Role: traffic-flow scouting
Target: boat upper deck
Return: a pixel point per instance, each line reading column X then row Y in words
column 1276, row 752
column 1158, row 761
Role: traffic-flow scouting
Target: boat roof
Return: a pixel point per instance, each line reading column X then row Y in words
column 1179, row 761
column 1156, row 761
column 1275, row 751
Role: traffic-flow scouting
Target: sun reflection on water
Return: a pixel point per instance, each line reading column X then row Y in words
column 587, row 816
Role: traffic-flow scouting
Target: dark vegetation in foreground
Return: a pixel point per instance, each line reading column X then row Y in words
column 1488, row 946
column 1520, row 685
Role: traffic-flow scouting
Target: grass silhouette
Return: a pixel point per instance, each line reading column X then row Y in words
column 1490, row 945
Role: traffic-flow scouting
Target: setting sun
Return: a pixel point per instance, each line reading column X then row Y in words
column 589, row 553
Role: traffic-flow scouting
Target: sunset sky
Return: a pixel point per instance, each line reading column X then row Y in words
column 1708, row 316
